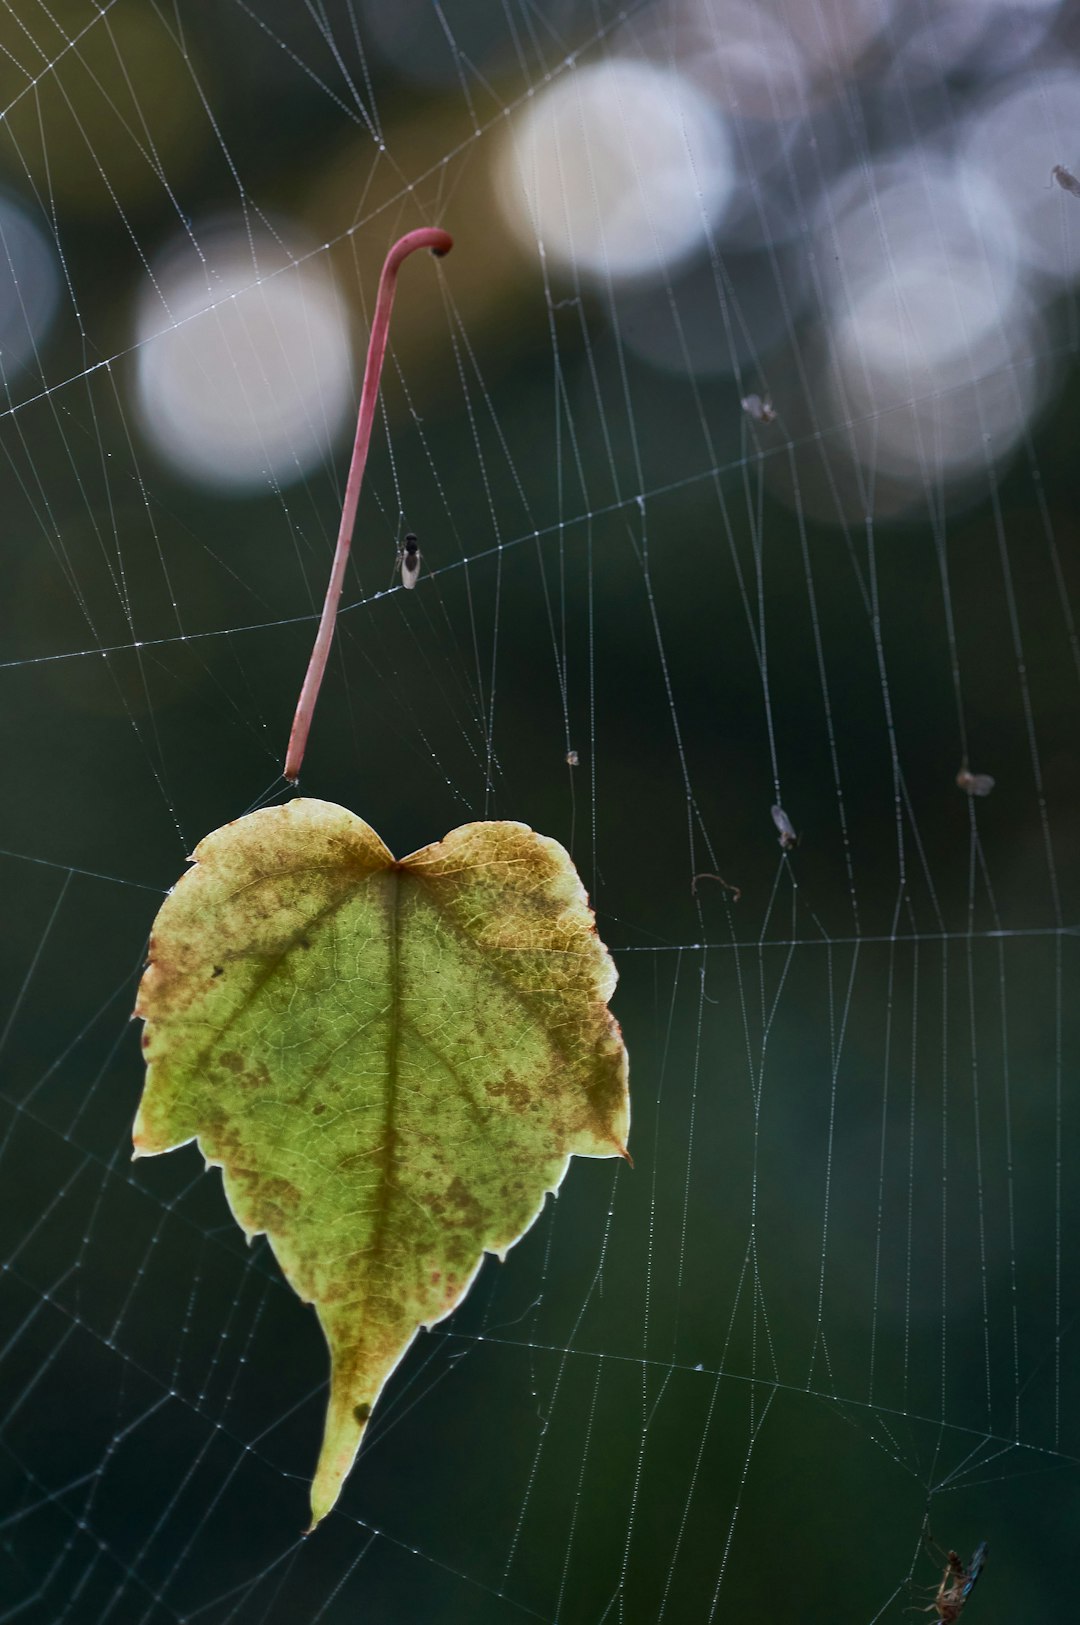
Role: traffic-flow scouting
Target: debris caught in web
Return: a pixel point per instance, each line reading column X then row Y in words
column 1066, row 179
column 788, row 837
column 974, row 784
column 759, row 407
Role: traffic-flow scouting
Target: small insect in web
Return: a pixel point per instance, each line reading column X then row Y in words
column 572, row 758
column 409, row 560
column 1066, row 179
column 973, row 784
column 957, row 1582
column 788, row 837
column 759, row 407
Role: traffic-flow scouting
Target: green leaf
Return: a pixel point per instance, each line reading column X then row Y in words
column 392, row 1062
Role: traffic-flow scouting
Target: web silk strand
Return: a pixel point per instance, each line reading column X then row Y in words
column 440, row 243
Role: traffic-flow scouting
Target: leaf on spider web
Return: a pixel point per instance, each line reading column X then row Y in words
column 391, row 1060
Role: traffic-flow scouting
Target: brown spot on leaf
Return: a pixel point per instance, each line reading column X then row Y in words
column 470, row 1212
column 512, row 1090
column 219, row 970
column 268, row 1204
column 361, row 1413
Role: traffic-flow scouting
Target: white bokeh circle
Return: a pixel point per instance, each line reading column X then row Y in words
column 242, row 378
column 617, row 170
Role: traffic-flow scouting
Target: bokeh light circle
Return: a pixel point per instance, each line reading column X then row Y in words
column 617, row 170
column 248, row 378
column 934, row 391
column 928, row 320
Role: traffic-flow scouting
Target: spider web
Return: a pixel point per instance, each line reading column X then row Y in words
column 837, row 1292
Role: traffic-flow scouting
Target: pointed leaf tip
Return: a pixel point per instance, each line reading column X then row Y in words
column 391, row 1060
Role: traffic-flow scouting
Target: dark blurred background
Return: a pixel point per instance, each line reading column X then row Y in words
column 739, row 435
